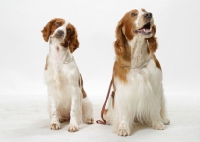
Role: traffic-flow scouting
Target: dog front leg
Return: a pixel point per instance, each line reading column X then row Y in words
column 76, row 109
column 124, row 124
column 54, row 124
column 123, row 120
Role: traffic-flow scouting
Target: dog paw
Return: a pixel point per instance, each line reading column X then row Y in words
column 166, row 122
column 54, row 126
column 123, row 129
column 123, row 132
column 159, row 126
column 90, row 121
column 73, row 128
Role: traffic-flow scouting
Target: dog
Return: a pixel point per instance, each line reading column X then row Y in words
column 67, row 98
column 137, row 91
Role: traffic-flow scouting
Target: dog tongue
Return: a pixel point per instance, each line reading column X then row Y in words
column 143, row 30
column 146, row 30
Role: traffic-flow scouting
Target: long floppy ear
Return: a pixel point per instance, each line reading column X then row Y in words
column 120, row 42
column 153, row 40
column 47, row 30
column 72, row 38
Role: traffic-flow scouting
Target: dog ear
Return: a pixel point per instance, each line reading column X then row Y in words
column 120, row 42
column 153, row 40
column 72, row 38
column 47, row 30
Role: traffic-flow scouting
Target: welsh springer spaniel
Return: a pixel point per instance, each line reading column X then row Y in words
column 137, row 95
column 67, row 98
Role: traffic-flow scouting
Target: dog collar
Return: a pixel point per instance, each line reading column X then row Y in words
column 138, row 67
column 63, row 62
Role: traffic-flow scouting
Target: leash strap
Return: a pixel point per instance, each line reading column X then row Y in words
column 103, row 121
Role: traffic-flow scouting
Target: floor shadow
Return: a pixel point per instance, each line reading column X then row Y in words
column 138, row 127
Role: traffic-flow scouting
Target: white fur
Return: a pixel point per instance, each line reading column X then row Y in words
column 65, row 95
column 141, row 98
column 138, row 17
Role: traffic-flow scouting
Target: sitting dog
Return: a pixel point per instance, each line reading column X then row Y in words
column 137, row 92
column 67, row 98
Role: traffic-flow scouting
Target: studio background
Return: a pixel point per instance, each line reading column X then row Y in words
column 23, row 95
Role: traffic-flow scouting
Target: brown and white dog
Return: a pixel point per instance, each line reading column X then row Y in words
column 67, row 98
column 137, row 76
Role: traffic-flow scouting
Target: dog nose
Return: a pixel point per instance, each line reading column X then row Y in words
column 60, row 33
column 148, row 15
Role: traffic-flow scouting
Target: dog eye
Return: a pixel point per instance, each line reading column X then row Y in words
column 58, row 24
column 133, row 14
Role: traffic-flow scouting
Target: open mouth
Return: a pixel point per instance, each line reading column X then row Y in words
column 144, row 30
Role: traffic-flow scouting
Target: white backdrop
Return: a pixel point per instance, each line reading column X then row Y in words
column 23, row 50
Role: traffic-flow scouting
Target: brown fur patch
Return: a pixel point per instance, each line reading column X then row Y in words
column 124, row 31
column 128, row 21
column 113, row 98
column 126, row 26
column 46, row 65
column 143, row 10
column 153, row 45
column 119, row 71
column 105, row 111
column 84, row 93
column 71, row 39
column 156, row 61
column 81, row 85
column 152, row 41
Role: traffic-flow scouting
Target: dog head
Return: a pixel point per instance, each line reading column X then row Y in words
column 135, row 23
column 63, row 32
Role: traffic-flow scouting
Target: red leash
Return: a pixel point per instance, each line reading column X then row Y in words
column 104, row 105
